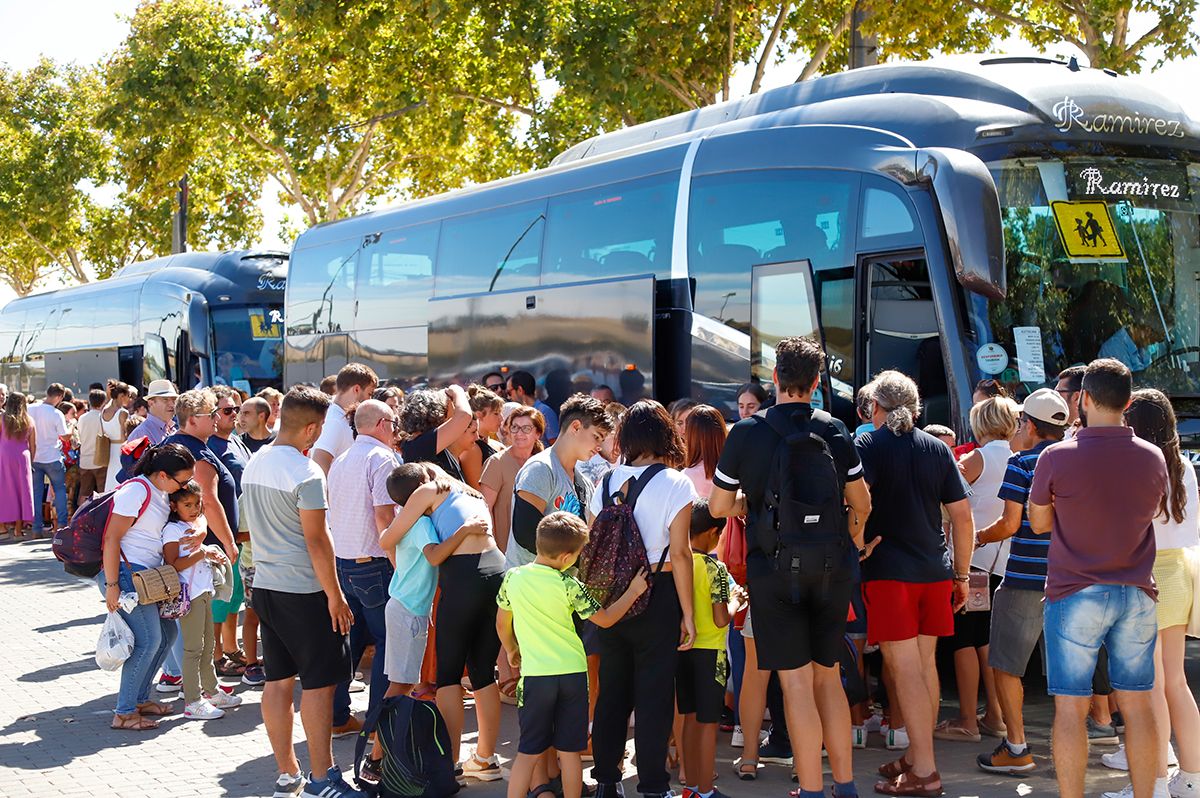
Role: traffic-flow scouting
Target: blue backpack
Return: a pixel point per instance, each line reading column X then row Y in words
column 416, row 750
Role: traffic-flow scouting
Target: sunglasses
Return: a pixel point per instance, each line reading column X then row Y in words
column 495, row 386
column 229, row 411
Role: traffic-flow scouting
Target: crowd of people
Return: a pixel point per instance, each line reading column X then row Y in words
column 593, row 562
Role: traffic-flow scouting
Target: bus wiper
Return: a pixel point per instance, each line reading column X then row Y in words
column 507, row 255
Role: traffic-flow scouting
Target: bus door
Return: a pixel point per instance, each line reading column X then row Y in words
column 901, row 327
column 783, row 304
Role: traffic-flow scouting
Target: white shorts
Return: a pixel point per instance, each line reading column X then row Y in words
column 407, row 635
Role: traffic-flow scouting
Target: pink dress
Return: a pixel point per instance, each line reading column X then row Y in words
column 16, row 480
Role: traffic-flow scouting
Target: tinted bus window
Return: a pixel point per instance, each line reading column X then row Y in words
column 610, row 231
column 395, row 276
column 320, row 293
column 886, row 213
column 740, row 219
column 491, row 251
column 249, row 343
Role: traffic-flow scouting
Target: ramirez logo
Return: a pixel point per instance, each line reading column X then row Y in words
column 1069, row 115
column 1095, row 183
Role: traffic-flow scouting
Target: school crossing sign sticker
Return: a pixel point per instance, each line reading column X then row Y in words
column 1087, row 230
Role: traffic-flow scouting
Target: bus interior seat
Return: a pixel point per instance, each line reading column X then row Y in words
column 729, row 257
column 899, row 328
column 804, row 242
column 627, row 261
column 579, row 265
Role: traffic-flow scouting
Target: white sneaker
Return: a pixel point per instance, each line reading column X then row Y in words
column 1184, row 785
column 202, row 710
column 482, row 769
column 357, row 685
column 897, row 739
column 224, row 700
column 873, row 724
column 289, row 785
column 858, row 737
column 738, row 740
column 1160, row 790
column 1117, row 760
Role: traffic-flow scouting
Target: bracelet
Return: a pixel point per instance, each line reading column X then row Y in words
column 111, row 584
column 962, row 578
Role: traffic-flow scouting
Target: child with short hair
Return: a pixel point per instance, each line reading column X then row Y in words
column 702, row 670
column 535, row 622
column 943, row 434
column 182, row 548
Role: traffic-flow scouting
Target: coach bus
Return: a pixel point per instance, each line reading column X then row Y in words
column 196, row 318
column 957, row 219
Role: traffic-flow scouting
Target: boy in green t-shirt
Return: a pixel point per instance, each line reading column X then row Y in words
column 535, row 623
column 702, row 670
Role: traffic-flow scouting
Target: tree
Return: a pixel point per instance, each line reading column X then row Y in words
column 1102, row 29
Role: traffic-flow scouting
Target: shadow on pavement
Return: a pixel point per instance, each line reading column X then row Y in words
column 49, row 674
column 95, row 620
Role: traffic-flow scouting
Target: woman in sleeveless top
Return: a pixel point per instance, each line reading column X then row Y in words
column 112, row 421
column 994, row 423
column 17, row 444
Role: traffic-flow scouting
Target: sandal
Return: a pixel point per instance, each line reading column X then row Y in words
column 155, row 709
column 508, row 691
column 895, row 769
column 228, row 668
column 739, row 768
column 133, row 722
column 238, row 657
column 911, row 784
column 1000, row 730
column 952, row 730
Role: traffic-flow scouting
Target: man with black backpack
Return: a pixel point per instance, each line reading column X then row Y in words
column 793, row 471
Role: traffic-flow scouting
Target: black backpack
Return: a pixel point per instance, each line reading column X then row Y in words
column 416, row 750
column 802, row 524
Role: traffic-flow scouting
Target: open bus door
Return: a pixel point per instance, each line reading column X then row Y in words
column 783, row 304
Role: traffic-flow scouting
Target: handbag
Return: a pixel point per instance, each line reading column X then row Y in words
column 176, row 607
column 103, row 450
column 155, row 584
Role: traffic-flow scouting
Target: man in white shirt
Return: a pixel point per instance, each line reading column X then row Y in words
column 355, row 382
column 91, row 476
column 360, row 508
column 50, row 425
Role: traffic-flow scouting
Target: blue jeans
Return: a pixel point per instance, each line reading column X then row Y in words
column 152, row 637
column 366, row 588
column 1121, row 618
column 57, row 474
column 173, row 664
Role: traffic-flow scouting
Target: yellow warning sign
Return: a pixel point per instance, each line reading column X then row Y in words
column 265, row 325
column 1087, row 230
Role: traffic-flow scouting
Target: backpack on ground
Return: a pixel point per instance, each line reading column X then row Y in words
column 615, row 551
column 802, row 524
column 79, row 545
column 416, row 750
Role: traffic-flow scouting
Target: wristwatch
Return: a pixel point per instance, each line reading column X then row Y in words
column 111, row 584
column 962, row 578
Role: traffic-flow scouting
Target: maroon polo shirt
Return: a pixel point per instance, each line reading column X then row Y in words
column 1106, row 486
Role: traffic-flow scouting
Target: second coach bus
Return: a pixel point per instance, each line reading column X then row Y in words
column 956, row 219
column 196, row 318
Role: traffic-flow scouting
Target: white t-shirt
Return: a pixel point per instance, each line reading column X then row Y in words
column 1170, row 535
column 142, row 544
column 667, row 493
column 336, row 436
column 50, row 423
column 198, row 576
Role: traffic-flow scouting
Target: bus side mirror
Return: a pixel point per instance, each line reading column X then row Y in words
column 969, row 204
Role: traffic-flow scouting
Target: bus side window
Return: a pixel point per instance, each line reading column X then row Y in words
column 491, row 251
column 887, row 218
column 320, row 293
column 395, row 278
column 614, row 230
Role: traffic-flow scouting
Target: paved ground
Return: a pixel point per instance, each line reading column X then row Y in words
column 55, row 703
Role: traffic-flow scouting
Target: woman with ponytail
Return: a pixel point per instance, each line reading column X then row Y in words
column 910, row 589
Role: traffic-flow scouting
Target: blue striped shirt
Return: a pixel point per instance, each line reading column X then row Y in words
column 1027, row 557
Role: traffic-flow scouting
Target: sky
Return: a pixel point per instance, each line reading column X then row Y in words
column 83, row 31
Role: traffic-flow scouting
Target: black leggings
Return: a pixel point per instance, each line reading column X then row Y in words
column 637, row 673
column 466, row 622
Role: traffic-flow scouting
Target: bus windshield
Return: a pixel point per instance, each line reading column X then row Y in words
column 1103, row 260
column 249, row 346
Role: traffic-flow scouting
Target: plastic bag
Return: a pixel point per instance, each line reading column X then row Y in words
column 115, row 643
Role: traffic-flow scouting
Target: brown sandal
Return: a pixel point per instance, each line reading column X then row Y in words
column 155, row 709
column 893, row 770
column 910, row 783
column 133, row 722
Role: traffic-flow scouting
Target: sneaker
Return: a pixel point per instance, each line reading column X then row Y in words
column 288, row 785
column 254, row 675
column 332, row 786
column 727, row 723
column 1118, row 722
column 896, row 739
column 738, row 740
column 858, row 737
column 1161, row 790
column 202, row 710
column 482, row 769
column 225, row 688
column 1184, row 785
column 610, row 791
column 168, row 684
column 370, row 772
column 873, row 724
column 1003, row 760
column 351, row 726
column 1117, row 760
column 224, row 700
column 356, row 685
column 772, row 753
column 1100, row 734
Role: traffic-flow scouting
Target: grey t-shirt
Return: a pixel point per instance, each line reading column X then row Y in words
column 543, row 475
column 277, row 484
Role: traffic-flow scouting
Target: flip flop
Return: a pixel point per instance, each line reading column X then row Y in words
column 992, row 731
column 950, row 730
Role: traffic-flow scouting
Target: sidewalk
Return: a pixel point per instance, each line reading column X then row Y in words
column 55, row 740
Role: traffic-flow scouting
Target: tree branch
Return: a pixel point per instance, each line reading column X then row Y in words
column 676, row 91
column 822, row 52
column 295, row 190
column 1145, row 39
column 1021, row 22
column 507, row 106
column 769, row 48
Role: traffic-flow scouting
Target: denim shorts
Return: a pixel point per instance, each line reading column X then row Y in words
column 1120, row 617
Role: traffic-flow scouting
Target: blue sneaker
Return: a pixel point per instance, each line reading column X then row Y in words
column 332, row 786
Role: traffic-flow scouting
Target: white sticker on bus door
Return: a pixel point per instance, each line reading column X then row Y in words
column 1031, row 367
column 992, row 359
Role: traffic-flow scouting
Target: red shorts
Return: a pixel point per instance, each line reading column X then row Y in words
column 903, row 610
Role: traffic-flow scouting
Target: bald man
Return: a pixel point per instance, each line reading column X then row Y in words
column 359, row 509
column 253, row 421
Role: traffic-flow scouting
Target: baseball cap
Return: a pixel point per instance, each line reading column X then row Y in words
column 161, row 388
column 1045, row 404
